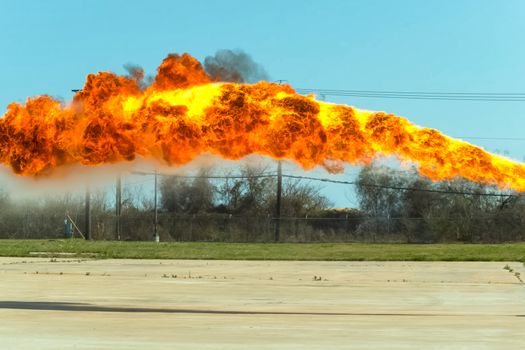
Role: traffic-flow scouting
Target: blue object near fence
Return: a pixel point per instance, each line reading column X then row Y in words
column 68, row 228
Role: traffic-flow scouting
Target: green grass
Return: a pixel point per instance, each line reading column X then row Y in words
column 269, row 251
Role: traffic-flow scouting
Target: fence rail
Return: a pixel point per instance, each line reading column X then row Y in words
column 244, row 228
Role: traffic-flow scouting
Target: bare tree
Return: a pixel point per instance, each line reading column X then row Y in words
column 183, row 195
column 410, row 205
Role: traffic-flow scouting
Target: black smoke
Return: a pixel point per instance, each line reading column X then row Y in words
column 234, row 66
column 137, row 73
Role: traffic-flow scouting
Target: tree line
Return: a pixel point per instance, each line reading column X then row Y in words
column 415, row 209
column 394, row 206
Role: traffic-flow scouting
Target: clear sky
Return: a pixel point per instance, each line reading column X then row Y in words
column 47, row 47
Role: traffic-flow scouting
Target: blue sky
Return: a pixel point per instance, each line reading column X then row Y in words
column 454, row 46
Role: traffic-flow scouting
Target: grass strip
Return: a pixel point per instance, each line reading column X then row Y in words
column 265, row 251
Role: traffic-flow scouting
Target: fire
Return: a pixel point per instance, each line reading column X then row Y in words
column 183, row 114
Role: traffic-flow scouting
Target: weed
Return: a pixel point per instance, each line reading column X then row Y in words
column 517, row 274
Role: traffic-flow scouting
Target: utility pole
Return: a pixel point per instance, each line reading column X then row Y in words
column 87, row 225
column 277, row 232
column 156, row 237
column 118, row 205
column 88, row 214
column 278, row 202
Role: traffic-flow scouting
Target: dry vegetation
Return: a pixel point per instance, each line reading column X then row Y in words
column 243, row 209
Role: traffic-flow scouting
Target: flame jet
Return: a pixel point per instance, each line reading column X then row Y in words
column 184, row 113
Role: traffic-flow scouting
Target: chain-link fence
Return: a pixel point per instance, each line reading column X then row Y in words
column 226, row 228
column 504, row 227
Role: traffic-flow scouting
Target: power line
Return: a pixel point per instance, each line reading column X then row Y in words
column 353, row 183
column 491, row 138
column 424, row 97
column 462, row 96
column 400, row 188
column 206, row 176
column 448, row 96
column 522, row 94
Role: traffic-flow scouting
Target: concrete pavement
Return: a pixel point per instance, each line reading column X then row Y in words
column 167, row 304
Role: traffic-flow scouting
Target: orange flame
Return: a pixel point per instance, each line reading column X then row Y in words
column 184, row 114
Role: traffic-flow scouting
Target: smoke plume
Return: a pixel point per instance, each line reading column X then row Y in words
column 234, row 66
